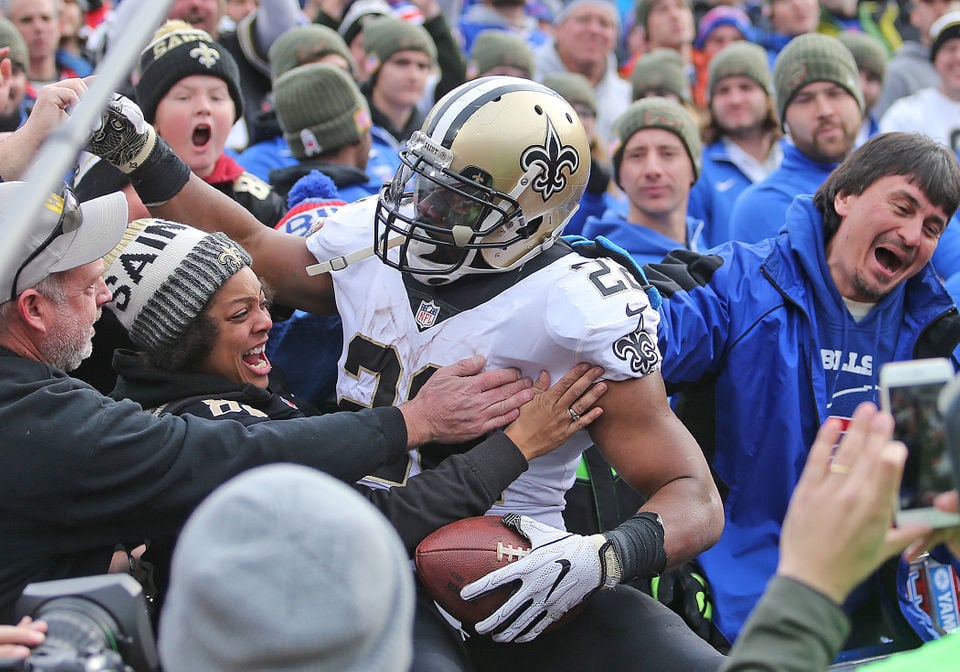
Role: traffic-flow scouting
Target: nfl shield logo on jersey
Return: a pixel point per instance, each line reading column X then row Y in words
column 427, row 314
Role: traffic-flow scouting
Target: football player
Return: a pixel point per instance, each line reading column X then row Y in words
column 461, row 254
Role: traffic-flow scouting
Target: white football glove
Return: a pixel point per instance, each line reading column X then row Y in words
column 560, row 571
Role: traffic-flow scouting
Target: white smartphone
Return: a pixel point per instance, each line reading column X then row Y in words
column 909, row 392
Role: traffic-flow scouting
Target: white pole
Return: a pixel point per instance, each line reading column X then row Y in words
column 58, row 153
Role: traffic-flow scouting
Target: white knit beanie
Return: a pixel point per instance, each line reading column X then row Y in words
column 162, row 274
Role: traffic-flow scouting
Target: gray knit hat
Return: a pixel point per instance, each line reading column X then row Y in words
column 286, row 568
column 813, row 57
column 178, row 54
column 641, row 11
column 660, row 72
column 163, row 274
column 386, row 36
column 11, row 37
column 655, row 113
column 574, row 87
column 320, row 109
column 868, row 52
column 306, row 44
column 498, row 48
column 739, row 59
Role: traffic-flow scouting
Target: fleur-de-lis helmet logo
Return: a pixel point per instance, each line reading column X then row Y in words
column 206, row 55
column 553, row 157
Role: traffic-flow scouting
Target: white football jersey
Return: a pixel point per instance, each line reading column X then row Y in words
column 571, row 310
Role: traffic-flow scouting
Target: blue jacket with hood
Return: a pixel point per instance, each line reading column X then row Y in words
column 759, row 350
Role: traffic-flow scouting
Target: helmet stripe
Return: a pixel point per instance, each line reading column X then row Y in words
column 447, row 120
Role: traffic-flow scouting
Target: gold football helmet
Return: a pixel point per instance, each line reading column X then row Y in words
column 486, row 184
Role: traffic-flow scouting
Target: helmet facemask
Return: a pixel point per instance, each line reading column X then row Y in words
column 471, row 207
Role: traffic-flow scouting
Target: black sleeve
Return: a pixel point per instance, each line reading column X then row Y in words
column 121, row 473
column 461, row 486
column 453, row 65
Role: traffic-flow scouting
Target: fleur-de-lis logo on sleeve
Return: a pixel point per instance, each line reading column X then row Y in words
column 553, row 157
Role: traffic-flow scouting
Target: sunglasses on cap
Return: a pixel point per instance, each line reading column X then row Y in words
column 70, row 220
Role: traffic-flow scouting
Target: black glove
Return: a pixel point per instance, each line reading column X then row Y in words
column 686, row 592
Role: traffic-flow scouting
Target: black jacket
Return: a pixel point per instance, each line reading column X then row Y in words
column 80, row 472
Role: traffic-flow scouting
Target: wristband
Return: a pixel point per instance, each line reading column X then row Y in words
column 161, row 176
column 638, row 546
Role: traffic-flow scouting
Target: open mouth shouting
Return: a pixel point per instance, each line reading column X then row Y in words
column 201, row 135
column 256, row 359
column 891, row 260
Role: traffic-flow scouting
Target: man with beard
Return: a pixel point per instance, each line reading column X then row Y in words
column 761, row 343
column 820, row 106
column 740, row 135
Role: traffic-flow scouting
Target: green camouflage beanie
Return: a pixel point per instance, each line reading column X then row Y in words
column 655, row 113
column 320, row 109
column 813, row 57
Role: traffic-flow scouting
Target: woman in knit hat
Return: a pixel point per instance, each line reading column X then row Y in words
column 189, row 89
column 198, row 312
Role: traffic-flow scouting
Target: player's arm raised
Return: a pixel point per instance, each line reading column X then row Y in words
column 170, row 190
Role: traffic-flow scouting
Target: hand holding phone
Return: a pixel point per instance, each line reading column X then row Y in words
column 909, row 391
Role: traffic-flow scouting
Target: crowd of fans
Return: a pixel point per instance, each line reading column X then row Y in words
column 770, row 187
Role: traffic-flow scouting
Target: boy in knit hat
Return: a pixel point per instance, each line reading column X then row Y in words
column 189, row 89
column 871, row 58
column 820, row 107
column 719, row 27
column 656, row 159
column 399, row 59
column 283, row 567
column 740, row 136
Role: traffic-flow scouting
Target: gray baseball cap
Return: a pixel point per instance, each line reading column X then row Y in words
column 67, row 234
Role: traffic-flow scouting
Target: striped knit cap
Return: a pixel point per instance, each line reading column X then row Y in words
column 163, row 274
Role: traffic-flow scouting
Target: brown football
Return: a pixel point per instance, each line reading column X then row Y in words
column 462, row 552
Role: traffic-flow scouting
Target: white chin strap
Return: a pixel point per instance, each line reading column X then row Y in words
column 341, row 262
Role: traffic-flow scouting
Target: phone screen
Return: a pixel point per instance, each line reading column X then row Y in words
column 921, row 428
